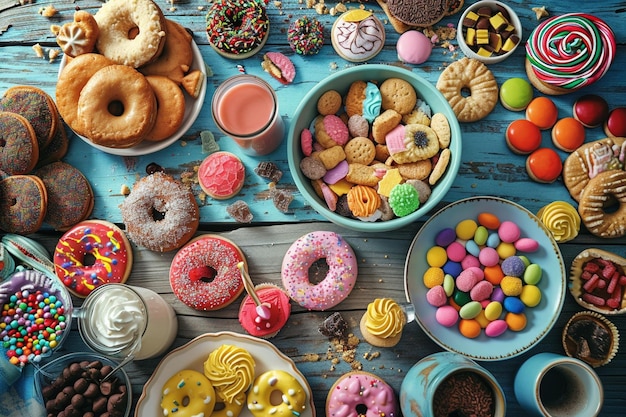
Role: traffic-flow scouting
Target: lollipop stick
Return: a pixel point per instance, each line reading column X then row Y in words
column 247, row 283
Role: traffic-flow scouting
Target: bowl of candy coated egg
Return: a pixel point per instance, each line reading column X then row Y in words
column 485, row 279
column 317, row 192
column 489, row 31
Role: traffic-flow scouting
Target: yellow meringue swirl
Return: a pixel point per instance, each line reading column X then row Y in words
column 384, row 318
column 562, row 219
column 231, row 370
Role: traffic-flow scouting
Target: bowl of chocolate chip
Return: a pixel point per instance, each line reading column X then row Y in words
column 84, row 383
column 489, row 31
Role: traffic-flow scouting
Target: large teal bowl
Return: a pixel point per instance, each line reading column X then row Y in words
column 340, row 81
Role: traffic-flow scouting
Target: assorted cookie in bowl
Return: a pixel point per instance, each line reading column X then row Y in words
column 132, row 88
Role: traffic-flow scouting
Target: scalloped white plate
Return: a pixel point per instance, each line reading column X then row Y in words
column 192, row 356
column 192, row 110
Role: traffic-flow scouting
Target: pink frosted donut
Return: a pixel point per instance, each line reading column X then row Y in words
column 356, row 390
column 341, row 276
column 204, row 273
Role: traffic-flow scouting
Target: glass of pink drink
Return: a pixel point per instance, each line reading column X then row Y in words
column 245, row 108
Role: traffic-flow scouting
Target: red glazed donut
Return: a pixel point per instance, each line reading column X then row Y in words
column 204, row 273
column 101, row 241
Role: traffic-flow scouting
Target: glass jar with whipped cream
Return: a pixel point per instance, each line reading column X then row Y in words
column 124, row 321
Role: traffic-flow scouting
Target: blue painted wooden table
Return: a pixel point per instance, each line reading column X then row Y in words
column 488, row 167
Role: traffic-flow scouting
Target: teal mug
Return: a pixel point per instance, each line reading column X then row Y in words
column 553, row 385
column 445, row 383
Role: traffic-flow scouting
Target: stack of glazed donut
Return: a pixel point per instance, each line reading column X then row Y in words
column 126, row 74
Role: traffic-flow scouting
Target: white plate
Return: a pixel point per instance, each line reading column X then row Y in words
column 192, row 356
column 192, row 109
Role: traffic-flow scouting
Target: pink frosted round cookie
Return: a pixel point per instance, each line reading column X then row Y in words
column 361, row 389
column 413, row 47
column 221, row 175
column 338, row 282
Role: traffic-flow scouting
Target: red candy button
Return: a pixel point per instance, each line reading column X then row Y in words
column 568, row 134
column 523, row 136
column 542, row 112
column 544, row 165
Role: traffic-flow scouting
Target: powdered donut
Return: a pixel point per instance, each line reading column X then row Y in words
column 339, row 280
column 473, row 75
column 119, row 20
column 117, row 107
column 160, row 213
column 204, row 273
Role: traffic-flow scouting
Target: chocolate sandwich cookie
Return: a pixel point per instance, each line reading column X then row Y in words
column 19, row 149
column 70, row 197
column 23, row 204
column 37, row 107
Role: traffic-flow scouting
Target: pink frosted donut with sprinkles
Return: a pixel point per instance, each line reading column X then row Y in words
column 90, row 254
column 571, row 51
column 204, row 273
column 338, row 282
column 237, row 29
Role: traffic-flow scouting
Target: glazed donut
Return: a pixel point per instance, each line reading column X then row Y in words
column 357, row 390
column 306, row 35
column 170, row 108
column 342, row 270
column 132, row 32
column 596, row 197
column 160, row 194
column 474, row 76
column 117, row 107
column 92, row 253
column 293, row 395
column 71, row 81
column 177, row 54
column 237, row 28
column 207, row 258
column 188, row 394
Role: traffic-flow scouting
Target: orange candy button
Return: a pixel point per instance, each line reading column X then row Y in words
column 544, row 165
column 542, row 112
column 523, row 136
column 568, row 134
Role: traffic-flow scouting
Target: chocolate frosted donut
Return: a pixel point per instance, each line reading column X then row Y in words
column 420, row 13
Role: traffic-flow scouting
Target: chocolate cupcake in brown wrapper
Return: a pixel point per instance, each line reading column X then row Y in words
column 590, row 337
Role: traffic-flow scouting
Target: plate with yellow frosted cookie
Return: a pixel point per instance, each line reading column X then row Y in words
column 131, row 110
column 203, row 370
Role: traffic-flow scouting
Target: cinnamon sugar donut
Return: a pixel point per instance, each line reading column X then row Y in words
column 120, row 20
column 117, row 106
column 160, row 213
column 469, row 74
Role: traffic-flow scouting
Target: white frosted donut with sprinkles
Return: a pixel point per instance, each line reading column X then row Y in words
column 341, row 276
column 204, row 273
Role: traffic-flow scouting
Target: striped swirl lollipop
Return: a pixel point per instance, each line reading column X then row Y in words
column 568, row 52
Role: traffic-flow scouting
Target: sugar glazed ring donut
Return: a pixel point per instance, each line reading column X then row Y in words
column 120, row 20
column 595, row 198
column 96, row 240
column 204, row 273
column 188, row 393
column 473, row 75
column 293, row 396
column 117, row 107
column 341, row 276
column 237, row 29
column 160, row 213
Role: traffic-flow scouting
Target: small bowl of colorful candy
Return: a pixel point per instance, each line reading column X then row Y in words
column 374, row 147
column 489, row 31
column 485, row 278
column 36, row 313
column 84, row 383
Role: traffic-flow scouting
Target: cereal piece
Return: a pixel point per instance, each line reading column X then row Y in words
column 312, row 168
column 337, row 173
column 358, row 126
column 404, row 200
column 329, row 103
column 341, row 187
column 440, row 167
column 419, row 170
column 306, row 142
column 384, row 123
column 439, row 123
column 360, row 150
column 363, row 200
column 269, row 170
column 332, row 156
column 391, row 178
column 419, row 142
column 362, row 175
column 240, row 211
column 398, row 94
column 423, row 189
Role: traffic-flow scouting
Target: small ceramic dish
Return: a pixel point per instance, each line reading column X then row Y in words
column 50, row 380
column 539, row 319
column 595, row 287
column 489, row 50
